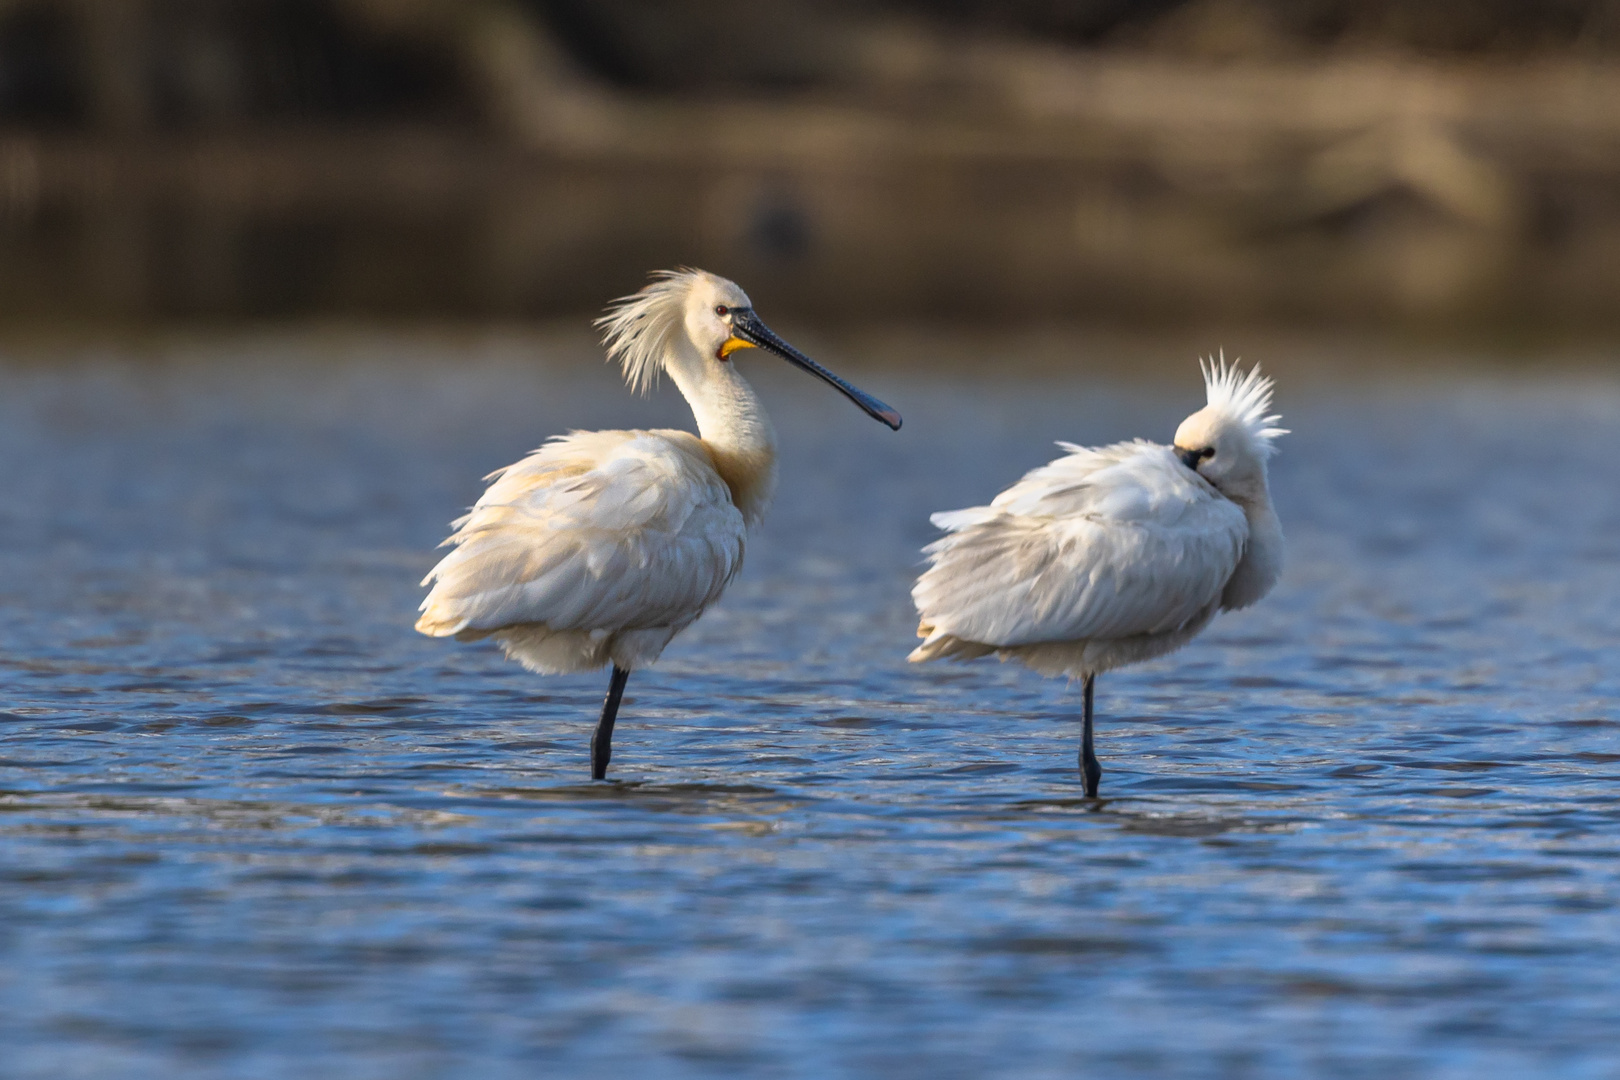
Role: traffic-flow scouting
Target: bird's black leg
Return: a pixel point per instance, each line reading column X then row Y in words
column 602, row 741
column 1090, row 770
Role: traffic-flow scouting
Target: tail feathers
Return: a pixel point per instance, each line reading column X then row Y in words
column 938, row 645
column 435, row 624
column 956, row 520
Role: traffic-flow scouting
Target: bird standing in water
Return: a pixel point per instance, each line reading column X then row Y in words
column 601, row 546
column 1112, row 555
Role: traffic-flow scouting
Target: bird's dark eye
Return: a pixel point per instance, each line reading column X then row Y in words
column 1207, row 452
column 722, row 310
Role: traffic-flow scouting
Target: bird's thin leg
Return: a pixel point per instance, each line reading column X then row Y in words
column 602, row 740
column 1090, row 770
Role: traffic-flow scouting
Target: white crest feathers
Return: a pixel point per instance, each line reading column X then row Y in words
column 637, row 329
column 1245, row 396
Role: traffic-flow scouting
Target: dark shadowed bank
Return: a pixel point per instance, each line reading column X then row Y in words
column 1441, row 165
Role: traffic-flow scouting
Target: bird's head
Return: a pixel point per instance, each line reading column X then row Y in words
column 698, row 322
column 1229, row 440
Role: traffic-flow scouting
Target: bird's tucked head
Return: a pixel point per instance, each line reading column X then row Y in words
column 1228, row 441
column 690, row 323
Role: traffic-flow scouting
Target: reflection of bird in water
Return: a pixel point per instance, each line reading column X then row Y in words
column 1114, row 554
column 601, row 546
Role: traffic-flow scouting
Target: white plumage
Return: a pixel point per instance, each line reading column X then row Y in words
column 601, row 546
column 1112, row 555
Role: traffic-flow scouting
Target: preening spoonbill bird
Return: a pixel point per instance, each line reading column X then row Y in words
column 1115, row 554
column 601, row 546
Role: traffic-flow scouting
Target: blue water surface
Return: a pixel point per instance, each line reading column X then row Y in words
column 252, row 825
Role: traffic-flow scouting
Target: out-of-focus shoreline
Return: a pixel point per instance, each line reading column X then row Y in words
column 912, row 349
column 979, row 180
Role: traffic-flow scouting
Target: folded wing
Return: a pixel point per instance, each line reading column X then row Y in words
column 595, row 531
column 1102, row 543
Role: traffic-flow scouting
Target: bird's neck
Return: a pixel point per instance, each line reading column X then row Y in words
column 1262, row 560
column 739, row 437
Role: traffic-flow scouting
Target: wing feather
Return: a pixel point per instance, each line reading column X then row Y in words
column 603, row 530
column 1101, row 543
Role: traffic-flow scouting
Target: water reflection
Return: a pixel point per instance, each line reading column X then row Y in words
column 253, row 825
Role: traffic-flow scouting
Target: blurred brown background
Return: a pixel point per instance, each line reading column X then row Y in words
column 1439, row 163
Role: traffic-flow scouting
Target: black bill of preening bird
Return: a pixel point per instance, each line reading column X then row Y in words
column 1112, row 555
column 601, row 546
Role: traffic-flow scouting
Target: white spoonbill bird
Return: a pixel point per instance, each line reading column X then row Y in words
column 1115, row 554
column 601, row 546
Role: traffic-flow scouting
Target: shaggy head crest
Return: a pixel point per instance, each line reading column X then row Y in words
column 1245, row 396
column 637, row 329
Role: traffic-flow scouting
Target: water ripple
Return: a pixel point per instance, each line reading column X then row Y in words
column 251, row 825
